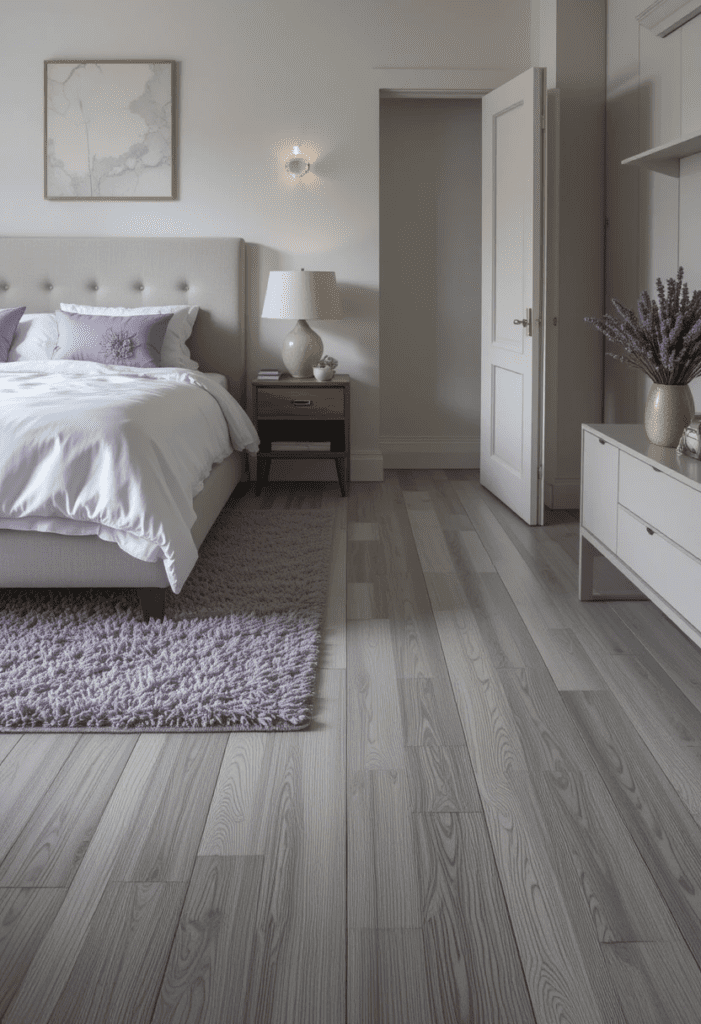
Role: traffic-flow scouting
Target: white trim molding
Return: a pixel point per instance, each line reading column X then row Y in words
column 665, row 16
column 562, row 493
column 366, row 465
column 417, row 452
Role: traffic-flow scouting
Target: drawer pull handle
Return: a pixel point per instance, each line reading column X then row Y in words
column 302, row 401
column 601, row 441
column 656, row 470
column 651, row 532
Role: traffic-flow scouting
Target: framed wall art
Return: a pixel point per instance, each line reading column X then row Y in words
column 109, row 129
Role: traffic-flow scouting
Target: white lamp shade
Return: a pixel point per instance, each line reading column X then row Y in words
column 302, row 295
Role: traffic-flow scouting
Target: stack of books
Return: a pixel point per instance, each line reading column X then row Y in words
column 300, row 446
column 269, row 374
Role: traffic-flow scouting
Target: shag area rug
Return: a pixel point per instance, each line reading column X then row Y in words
column 237, row 650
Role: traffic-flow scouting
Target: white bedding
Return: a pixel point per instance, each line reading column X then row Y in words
column 119, row 452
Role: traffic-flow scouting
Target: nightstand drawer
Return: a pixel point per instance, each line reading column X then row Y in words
column 305, row 403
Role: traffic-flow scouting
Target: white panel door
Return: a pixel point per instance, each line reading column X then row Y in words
column 512, row 245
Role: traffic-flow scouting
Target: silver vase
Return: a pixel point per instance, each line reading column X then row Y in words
column 668, row 410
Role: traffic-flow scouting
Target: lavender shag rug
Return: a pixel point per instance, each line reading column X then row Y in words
column 238, row 648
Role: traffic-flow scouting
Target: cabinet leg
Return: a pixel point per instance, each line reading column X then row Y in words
column 262, row 473
column 341, row 474
column 586, row 569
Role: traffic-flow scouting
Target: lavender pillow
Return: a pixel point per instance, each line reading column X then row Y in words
column 9, row 319
column 124, row 340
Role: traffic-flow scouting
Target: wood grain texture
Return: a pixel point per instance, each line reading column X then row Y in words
column 658, row 982
column 50, row 848
column 233, row 808
column 561, row 957
column 299, row 946
column 375, row 739
column 472, row 960
column 492, row 735
column 7, row 742
column 382, row 882
column 164, row 836
column 26, row 773
column 441, row 779
column 50, row 969
column 118, row 972
column 666, row 720
column 387, row 981
column 429, row 713
column 663, row 830
column 206, row 977
column 622, row 900
column 679, row 659
column 25, row 916
column 549, row 740
column 333, row 643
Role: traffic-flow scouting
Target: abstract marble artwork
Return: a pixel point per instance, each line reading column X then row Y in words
column 109, row 129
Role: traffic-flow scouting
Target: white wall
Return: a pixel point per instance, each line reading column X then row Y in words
column 569, row 40
column 653, row 95
column 255, row 78
column 430, row 276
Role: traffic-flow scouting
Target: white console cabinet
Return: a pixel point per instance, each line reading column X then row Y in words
column 641, row 508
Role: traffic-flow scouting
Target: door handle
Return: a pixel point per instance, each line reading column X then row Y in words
column 528, row 322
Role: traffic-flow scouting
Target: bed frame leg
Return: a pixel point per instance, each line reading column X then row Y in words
column 152, row 601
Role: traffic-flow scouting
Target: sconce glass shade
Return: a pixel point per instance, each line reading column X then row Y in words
column 296, row 163
column 302, row 295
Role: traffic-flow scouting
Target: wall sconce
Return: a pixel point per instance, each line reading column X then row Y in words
column 296, row 163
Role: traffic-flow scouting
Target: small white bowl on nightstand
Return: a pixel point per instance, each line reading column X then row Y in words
column 323, row 372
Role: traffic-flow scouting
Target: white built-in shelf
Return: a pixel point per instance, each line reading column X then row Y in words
column 666, row 158
column 665, row 16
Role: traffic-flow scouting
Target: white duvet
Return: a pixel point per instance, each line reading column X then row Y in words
column 119, row 452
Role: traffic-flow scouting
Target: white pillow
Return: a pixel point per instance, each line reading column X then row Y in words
column 174, row 351
column 35, row 338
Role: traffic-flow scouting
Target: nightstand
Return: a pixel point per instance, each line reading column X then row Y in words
column 303, row 418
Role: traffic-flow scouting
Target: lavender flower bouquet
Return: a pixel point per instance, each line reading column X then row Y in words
column 664, row 340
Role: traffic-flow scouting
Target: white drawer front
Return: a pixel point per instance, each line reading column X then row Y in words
column 600, row 489
column 668, row 505
column 675, row 575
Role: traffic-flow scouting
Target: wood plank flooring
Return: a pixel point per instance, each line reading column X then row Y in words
column 495, row 817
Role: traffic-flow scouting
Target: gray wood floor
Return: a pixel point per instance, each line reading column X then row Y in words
column 495, row 818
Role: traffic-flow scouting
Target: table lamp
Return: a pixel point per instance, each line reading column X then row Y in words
column 302, row 295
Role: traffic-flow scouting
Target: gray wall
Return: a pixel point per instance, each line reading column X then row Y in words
column 653, row 95
column 430, row 269
column 256, row 78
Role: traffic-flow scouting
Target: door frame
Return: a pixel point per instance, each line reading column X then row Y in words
column 400, row 91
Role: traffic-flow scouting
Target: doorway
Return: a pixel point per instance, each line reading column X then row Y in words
column 430, row 281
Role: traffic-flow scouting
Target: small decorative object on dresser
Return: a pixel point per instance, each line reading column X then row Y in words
column 690, row 441
column 302, row 295
column 325, row 368
column 302, row 421
column 664, row 341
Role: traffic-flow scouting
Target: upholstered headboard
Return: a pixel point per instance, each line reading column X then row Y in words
column 39, row 273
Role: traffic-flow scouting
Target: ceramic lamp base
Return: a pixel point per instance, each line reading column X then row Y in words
column 301, row 349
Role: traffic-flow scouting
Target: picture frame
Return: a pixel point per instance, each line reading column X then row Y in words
column 109, row 130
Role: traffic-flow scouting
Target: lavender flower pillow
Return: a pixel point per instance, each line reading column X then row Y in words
column 9, row 319
column 123, row 340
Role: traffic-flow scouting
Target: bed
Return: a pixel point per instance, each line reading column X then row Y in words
column 42, row 273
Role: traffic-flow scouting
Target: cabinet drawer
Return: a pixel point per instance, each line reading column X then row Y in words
column 671, row 572
column 305, row 403
column 599, row 488
column 668, row 505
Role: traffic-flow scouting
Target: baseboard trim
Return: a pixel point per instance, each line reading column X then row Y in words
column 417, row 452
column 367, row 465
column 562, row 493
